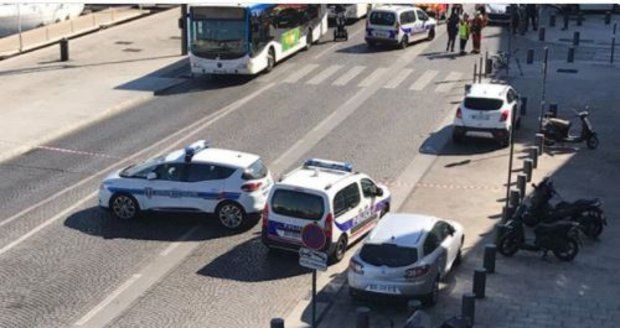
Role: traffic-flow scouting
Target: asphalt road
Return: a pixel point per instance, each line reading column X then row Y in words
column 64, row 262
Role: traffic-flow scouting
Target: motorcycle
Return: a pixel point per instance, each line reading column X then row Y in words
column 561, row 238
column 586, row 212
column 557, row 130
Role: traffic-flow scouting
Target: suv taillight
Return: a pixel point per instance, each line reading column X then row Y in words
column 265, row 216
column 504, row 116
column 356, row 266
column 459, row 114
column 417, row 271
column 251, row 186
column 329, row 221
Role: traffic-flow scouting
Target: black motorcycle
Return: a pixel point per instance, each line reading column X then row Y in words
column 561, row 238
column 587, row 212
column 557, row 130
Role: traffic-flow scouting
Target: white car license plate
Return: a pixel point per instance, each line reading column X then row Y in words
column 479, row 134
column 289, row 234
column 384, row 289
column 381, row 34
column 482, row 117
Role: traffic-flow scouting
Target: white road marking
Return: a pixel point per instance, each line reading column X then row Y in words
column 423, row 80
column 324, row 74
column 298, row 74
column 180, row 136
column 107, row 300
column 175, row 244
column 398, row 79
column 370, row 79
column 449, row 82
column 349, row 75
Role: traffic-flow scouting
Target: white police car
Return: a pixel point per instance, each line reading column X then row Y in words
column 343, row 203
column 231, row 184
column 398, row 25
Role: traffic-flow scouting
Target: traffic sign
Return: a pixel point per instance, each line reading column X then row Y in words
column 312, row 259
column 313, row 236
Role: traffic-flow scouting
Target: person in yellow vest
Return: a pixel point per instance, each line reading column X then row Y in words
column 464, row 31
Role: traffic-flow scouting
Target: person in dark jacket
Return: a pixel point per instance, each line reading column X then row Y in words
column 452, row 24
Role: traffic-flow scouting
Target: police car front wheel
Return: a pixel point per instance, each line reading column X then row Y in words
column 231, row 215
column 124, row 207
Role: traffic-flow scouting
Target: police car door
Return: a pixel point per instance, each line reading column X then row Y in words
column 420, row 27
column 205, row 183
column 166, row 190
column 407, row 20
column 348, row 210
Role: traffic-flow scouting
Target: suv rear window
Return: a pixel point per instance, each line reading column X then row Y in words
column 483, row 103
column 297, row 204
column 382, row 18
column 389, row 255
column 257, row 170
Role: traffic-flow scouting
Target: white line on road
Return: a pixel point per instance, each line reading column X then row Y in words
column 324, row 74
column 451, row 80
column 298, row 74
column 374, row 76
column 423, row 80
column 398, row 79
column 349, row 75
column 175, row 244
column 107, row 300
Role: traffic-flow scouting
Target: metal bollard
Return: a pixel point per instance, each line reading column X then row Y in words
column 607, row 17
column 576, row 38
column 527, row 169
column 553, row 109
column 514, row 198
column 508, row 212
column 475, row 71
column 533, row 154
column 540, row 142
column 579, row 18
column 64, row 49
column 489, row 257
column 480, row 278
column 468, row 308
column 530, row 56
column 480, row 71
column 361, row 317
column 571, row 55
column 552, row 20
column 523, row 106
column 541, row 34
column 277, row 323
column 489, row 66
column 500, row 229
column 521, row 185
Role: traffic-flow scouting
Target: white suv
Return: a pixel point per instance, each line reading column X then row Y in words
column 486, row 111
column 398, row 25
column 231, row 184
column 343, row 203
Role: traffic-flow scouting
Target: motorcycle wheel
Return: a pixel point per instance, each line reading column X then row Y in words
column 568, row 252
column 508, row 244
column 592, row 142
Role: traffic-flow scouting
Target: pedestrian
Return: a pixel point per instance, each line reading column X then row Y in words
column 452, row 25
column 464, row 32
column 532, row 15
column 477, row 24
column 514, row 18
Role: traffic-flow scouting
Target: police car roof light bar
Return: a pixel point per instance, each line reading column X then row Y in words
column 330, row 165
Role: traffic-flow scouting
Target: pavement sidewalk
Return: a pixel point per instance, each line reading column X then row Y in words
column 108, row 72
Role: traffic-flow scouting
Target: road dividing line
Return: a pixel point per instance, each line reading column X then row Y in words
column 423, row 80
column 349, row 75
column 107, row 300
column 398, row 79
column 297, row 75
column 324, row 74
column 370, row 79
column 449, row 82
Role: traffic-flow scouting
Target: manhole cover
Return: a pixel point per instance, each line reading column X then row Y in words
column 132, row 49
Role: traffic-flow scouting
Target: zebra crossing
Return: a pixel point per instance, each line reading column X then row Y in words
column 362, row 76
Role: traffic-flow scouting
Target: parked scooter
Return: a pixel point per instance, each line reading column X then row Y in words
column 340, row 32
column 557, row 130
column 586, row 212
column 562, row 237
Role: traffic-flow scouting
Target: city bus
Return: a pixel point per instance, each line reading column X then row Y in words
column 249, row 39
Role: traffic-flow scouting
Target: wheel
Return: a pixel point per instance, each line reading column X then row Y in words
column 271, row 60
column 309, row 40
column 592, row 141
column 568, row 252
column 431, row 34
column 404, row 42
column 124, row 207
column 508, row 244
column 431, row 298
column 504, row 141
column 340, row 249
column 231, row 215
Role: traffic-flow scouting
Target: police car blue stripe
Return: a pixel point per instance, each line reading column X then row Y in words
column 179, row 193
column 347, row 225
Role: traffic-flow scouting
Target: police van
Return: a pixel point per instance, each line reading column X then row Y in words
column 398, row 25
column 233, row 185
column 343, row 203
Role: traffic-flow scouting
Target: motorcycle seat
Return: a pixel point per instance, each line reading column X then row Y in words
column 560, row 123
column 552, row 227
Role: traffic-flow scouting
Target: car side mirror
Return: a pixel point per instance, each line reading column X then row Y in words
column 151, row 176
column 379, row 192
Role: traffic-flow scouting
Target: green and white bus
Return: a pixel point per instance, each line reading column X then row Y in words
column 249, row 39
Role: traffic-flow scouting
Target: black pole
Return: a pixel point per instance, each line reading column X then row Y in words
column 64, row 49
column 475, row 71
column 511, row 28
column 183, row 23
column 480, row 71
column 313, row 298
column 613, row 43
column 479, row 285
column 512, row 147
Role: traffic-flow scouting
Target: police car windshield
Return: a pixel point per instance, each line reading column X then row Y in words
column 389, row 255
column 297, row 204
column 142, row 169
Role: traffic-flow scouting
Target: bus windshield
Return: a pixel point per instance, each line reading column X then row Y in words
column 218, row 32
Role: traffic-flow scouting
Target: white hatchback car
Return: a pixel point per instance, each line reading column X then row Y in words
column 405, row 256
column 398, row 25
column 231, row 184
column 486, row 111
